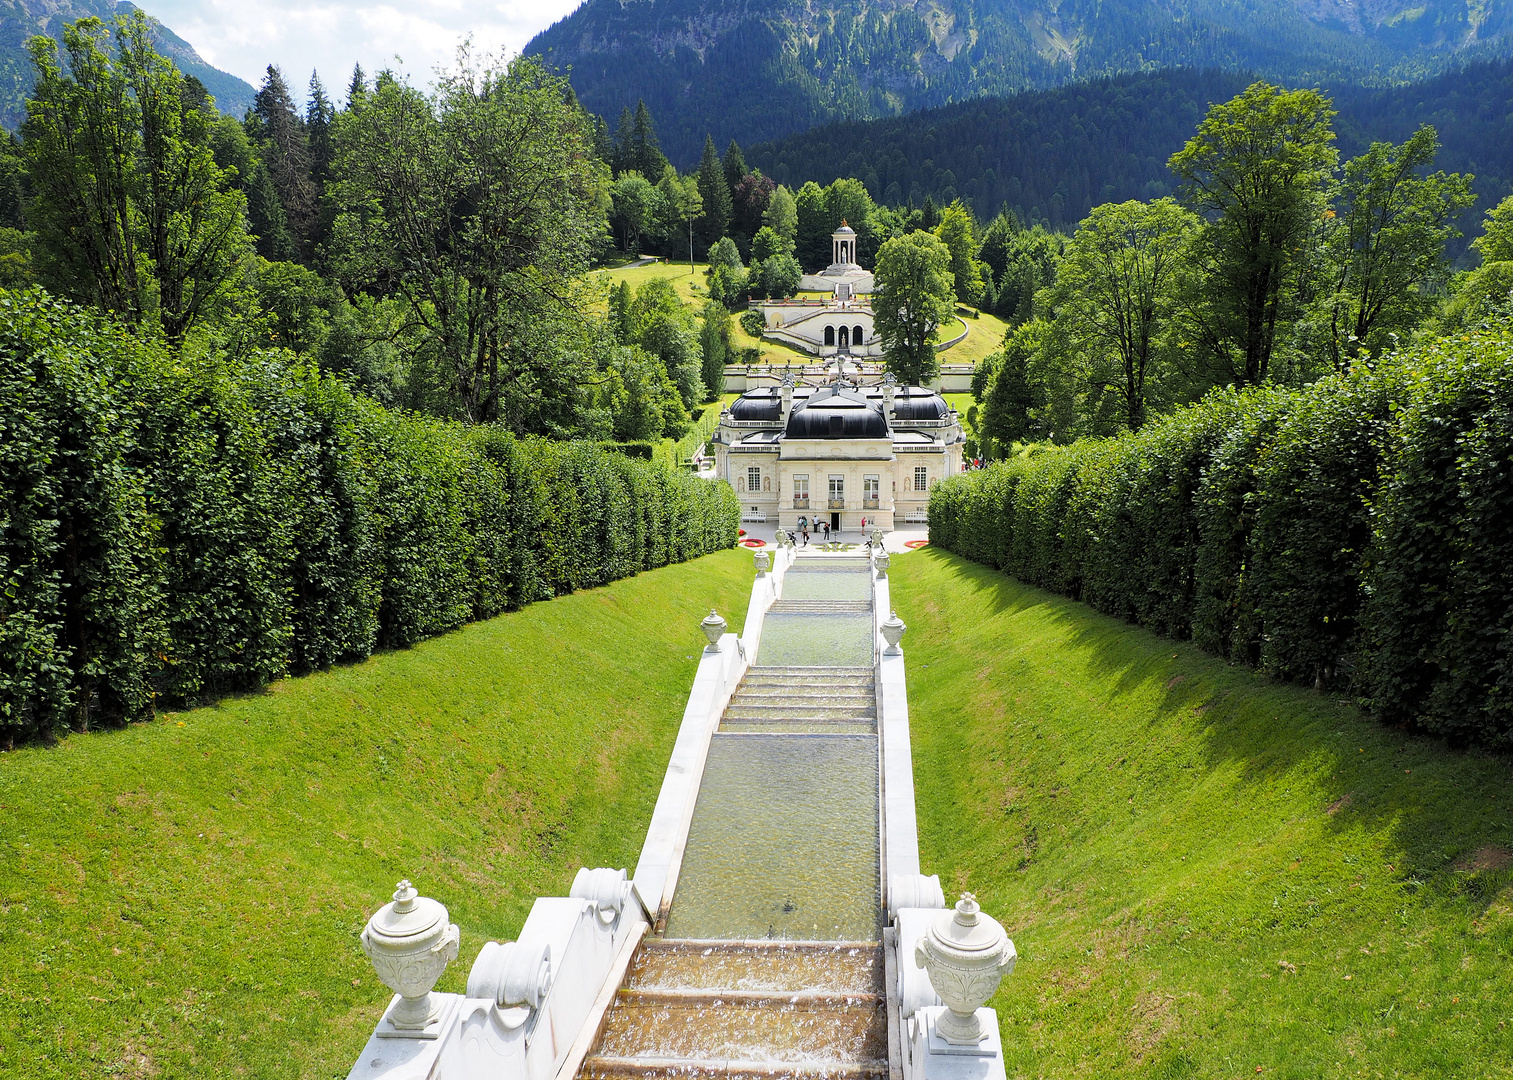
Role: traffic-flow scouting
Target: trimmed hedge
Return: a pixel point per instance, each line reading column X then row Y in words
column 1356, row 534
column 175, row 527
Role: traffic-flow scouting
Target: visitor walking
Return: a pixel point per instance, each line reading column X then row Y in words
column 804, row 532
column 827, row 532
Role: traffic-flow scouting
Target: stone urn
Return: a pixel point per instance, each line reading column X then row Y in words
column 880, row 560
column 893, row 632
column 761, row 560
column 966, row 954
column 410, row 942
column 714, row 629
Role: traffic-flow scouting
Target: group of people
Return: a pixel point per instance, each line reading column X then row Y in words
column 801, row 538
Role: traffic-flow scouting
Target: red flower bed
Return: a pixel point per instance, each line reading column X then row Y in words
column 751, row 542
column 916, row 543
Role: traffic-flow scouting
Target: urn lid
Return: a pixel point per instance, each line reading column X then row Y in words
column 407, row 919
column 713, row 619
column 967, row 930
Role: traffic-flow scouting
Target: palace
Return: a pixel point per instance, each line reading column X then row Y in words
column 839, row 453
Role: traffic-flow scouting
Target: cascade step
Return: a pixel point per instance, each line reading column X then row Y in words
column 739, row 1010
column 769, row 693
column 800, row 712
column 775, row 671
column 805, row 606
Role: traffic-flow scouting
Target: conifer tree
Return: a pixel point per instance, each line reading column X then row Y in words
column 715, row 221
column 647, row 151
column 319, row 113
column 281, row 143
column 735, row 166
column 625, row 139
column 358, row 87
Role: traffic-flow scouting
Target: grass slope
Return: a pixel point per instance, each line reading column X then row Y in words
column 184, row 897
column 1206, row 874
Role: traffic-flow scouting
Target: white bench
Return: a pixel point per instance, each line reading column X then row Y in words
column 756, row 516
column 917, row 517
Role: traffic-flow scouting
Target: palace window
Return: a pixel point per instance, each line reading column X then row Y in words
column 801, row 491
column 870, row 486
column 837, row 492
column 921, row 478
column 754, row 479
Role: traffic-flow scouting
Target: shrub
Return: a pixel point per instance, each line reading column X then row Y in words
column 176, row 526
column 1353, row 534
column 753, row 322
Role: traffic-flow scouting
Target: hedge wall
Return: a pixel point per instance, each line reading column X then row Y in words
column 1356, row 534
column 177, row 527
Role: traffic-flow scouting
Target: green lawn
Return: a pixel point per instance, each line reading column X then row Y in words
column 183, row 898
column 1206, row 874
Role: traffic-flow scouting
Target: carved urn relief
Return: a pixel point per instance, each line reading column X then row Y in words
column 966, row 954
column 410, row 942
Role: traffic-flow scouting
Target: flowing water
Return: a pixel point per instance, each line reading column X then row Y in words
column 769, row 964
column 784, row 841
column 802, row 640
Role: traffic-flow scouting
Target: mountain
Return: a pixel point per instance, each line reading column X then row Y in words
column 22, row 19
column 1052, row 155
column 755, row 70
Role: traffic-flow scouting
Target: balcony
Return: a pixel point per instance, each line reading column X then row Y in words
column 801, row 502
column 869, row 504
column 837, row 504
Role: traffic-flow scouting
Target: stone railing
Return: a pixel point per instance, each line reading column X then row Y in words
column 941, row 966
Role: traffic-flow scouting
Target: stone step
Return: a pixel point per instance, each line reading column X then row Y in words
column 600, row 1067
column 854, row 967
column 820, row 607
column 757, row 1010
column 764, row 692
column 775, row 671
column 800, row 712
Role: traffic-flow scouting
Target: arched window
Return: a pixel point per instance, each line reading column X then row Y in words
column 845, row 337
column 829, row 335
column 856, row 335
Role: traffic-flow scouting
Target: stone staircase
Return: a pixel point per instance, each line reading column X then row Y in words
column 778, row 697
column 744, row 1011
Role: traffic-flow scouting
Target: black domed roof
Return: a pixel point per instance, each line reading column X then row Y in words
column 764, row 404
column 917, row 403
column 837, row 413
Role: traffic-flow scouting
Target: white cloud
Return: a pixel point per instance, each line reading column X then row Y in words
column 330, row 36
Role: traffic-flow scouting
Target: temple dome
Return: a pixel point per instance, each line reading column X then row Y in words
column 837, row 413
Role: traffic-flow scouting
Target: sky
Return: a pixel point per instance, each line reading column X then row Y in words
column 329, row 36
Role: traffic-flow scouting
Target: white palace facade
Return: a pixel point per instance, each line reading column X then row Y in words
column 839, row 453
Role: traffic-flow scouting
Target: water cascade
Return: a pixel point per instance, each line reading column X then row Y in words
column 777, row 924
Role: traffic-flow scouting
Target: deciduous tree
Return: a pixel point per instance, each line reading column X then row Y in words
column 1116, row 296
column 1256, row 170
column 131, row 212
column 912, row 297
column 480, row 206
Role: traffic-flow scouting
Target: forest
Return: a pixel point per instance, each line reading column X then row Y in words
column 1051, row 156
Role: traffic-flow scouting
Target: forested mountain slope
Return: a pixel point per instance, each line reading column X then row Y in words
column 21, row 19
column 761, row 69
column 1054, row 154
